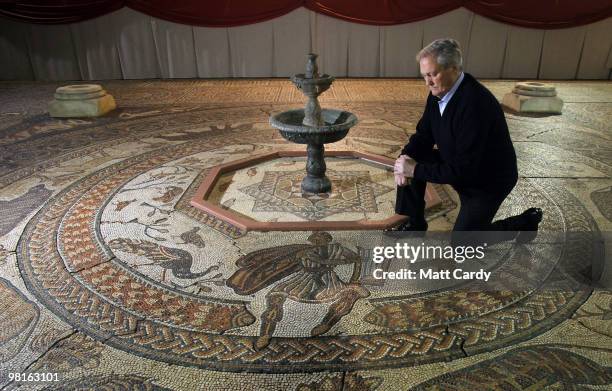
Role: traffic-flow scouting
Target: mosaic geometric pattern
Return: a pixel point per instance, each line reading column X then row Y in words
column 111, row 280
column 538, row 366
column 352, row 191
column 103, row 383
column 601, row 198
column 17, row 321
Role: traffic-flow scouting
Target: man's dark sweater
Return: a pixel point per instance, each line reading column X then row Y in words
column 475, row 149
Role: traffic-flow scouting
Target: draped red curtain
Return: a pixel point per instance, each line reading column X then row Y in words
column 539, row 14
column 215, row 13
column 542, row 14
column 383, row 12
column 57, row 12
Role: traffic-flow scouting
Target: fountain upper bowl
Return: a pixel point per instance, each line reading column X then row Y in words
column 337, row 125
column 315, row 85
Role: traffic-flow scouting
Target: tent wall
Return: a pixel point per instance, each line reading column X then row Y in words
column 127, row 44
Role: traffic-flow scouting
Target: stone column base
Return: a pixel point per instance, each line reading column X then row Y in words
column 82, row 100
column 533, row 97
column 533, row 104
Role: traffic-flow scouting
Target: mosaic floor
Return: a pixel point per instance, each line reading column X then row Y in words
column 110, row 280
column 271, row 191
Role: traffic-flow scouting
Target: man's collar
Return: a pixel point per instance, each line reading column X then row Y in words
column 451, row 92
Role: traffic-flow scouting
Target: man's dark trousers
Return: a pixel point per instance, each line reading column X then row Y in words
column 478, row 208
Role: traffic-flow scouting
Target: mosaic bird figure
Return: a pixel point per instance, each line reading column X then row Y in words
column 170, row 194
column 119, row 206
column 192, row 237
column 176, row 260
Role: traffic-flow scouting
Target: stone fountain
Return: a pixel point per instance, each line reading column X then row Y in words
column 362, row 198
column 314, row 126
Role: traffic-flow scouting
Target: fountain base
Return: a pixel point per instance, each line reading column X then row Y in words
column 316, row 185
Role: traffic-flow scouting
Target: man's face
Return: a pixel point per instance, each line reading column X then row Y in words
column 438, row 79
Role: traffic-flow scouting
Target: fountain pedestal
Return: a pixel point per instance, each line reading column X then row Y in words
column 316, row 181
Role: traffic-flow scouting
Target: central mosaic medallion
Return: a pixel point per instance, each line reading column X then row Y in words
column 352, row 192
column 263, row 193
column 270, row 191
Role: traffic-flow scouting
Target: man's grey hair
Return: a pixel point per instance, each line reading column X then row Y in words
column 445, row 51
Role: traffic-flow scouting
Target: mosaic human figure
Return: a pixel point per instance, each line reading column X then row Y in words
column 312, row 280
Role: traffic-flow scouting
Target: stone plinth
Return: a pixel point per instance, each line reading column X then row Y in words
column 533, row 97
column 81, row 100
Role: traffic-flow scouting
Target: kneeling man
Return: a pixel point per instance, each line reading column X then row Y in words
column 474, row 151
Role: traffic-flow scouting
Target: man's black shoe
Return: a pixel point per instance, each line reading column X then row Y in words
column 531, row 219
column 408, row 228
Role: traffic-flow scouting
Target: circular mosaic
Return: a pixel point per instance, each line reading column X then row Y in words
column 120, row 255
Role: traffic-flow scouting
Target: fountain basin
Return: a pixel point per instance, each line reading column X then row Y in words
column 336, row 125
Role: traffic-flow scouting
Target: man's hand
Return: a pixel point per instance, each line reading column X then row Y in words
column 403, row 168
column 400, row 180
